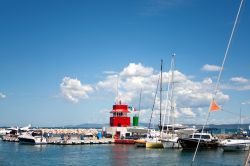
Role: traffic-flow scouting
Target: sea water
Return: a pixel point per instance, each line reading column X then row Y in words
column 110, row 154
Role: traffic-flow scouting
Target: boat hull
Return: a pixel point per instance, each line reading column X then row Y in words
column 236, row 147
column 124, row 141
column 156, row 144
column 31, row 141
column 171, row 144
column 235, row 144
column 187, row 143
column 140, row 143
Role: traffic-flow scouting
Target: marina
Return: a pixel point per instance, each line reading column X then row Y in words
column 125, row 83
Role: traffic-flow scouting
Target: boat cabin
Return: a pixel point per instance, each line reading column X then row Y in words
column 203, row 136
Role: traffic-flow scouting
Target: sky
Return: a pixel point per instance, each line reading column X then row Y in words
column 64, row 62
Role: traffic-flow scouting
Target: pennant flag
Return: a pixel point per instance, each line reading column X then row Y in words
column 214, row 106
column 131, row 108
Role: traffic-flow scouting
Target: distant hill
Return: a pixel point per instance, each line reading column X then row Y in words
column 99, row 126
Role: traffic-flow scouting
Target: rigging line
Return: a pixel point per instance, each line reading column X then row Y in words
column 219, row 77
column 227, row 49
column 154, row 103
column 167, row 98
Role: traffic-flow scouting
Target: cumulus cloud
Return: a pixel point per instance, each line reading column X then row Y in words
column 109, row 72
column 237, row 87
column 207, row 81
column 188, row 112
column 188, row 94
column 208, row 67
column 239, row 79
column 136, row 70
column 73, row 90
column 2, row 96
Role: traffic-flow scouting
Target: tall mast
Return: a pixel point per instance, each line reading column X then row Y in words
column 161, row 92
column 117, row 90
column 172, row 90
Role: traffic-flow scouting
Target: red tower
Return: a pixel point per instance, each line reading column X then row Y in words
column 119, row 116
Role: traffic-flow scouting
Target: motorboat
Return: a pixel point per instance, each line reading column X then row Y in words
column 32, row 137
column 13, row 131
column 10, row 134
column 235, row 144
column 170, row 141
column 207, row 141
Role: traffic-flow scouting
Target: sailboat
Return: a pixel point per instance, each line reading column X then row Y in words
column 170, row 139
column 153, row 139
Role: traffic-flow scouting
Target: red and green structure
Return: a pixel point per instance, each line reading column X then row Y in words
column 120, row 118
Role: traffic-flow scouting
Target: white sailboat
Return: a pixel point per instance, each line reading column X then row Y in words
column 153, row 139
column 170, row 138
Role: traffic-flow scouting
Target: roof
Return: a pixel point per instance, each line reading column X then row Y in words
column 120, row 110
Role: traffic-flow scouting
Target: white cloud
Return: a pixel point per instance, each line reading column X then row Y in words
column 239, row 79
column 236, row 87
column 2, row 96
column 208, row 67
column 73, row 90
column 188, row 112
column 189, row 95
column 207, row 81
column 136, row 70
column 109, row 72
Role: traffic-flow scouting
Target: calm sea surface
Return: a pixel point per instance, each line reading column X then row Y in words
column 120, row 155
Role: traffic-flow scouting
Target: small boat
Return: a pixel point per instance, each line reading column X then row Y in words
column 32, row 137
column 140, row 143
column 207, row 141
column 235, row 144
column 154, row 143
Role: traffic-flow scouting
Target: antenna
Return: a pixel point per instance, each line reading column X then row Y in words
column 117, row 89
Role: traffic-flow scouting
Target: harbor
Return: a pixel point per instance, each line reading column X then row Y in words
column 125, row 83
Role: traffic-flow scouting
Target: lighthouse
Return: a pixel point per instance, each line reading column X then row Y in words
column 119, row 116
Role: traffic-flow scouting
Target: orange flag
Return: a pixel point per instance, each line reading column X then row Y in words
column 214, row 106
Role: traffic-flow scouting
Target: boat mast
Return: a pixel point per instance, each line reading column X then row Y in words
column 170, row 81
column 161, row 93
column 172, row 91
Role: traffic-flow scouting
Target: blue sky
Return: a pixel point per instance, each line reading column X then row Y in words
column 60, row 59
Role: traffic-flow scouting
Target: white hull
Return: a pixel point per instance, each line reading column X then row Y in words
column 170, row 144
column 32, row 140
column 235, row 144
column 236, row 147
